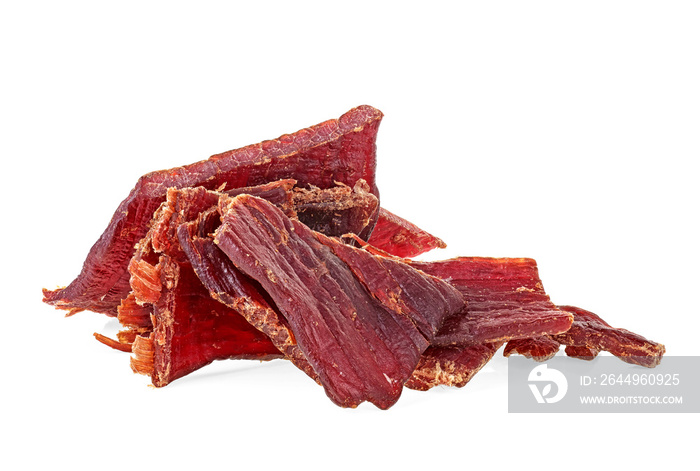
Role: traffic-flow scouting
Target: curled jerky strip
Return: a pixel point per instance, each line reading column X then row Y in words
column 592, row 332
column 361, row 322
column 588, row 335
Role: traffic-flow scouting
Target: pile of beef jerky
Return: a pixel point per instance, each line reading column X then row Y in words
column 282, row 250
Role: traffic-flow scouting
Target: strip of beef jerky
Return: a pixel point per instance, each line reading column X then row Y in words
column 336, row 211
column 333, row 211
column 185, row 343
column 592, row 332
column 400, row 237
column 538, row 348
column 191, row 330
column 450, row 366
column 230, row 287
column 505, row 300
column 185, row 328
column 588, row 335
column 341, row 150
column 180, row 206
column 361, row 348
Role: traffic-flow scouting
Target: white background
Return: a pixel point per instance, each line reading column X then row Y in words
column 562, row 131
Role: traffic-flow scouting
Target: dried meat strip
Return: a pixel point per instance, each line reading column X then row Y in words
column 230, row 287
column 191, row 330
column 593, row 333
column 505, row 300
column 333, row 211
column 341, row 150
column 362, row 346
column 400, row 237
column 539, row 348
column 588, row 335
column 450, row 366
column 177, row 326
column 184, row 342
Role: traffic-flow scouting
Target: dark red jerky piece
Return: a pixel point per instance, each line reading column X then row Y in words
column 580, row 352
column 400, row 237
column 336, row 211
column 192, row 329
column 229, row 286
column 505, row 300
column 360, row 350
column 589, row 330
column 185, row 328
column 341, row 150
column 180, row 206
column 450, row 366
column 538, row 348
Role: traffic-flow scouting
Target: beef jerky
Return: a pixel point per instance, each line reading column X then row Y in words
column 185, row 328
column 539, row 348
column 230, row 287
column 593, row 333
column 191, row 330
column 450, row 366
column 400, row 237
column 588, row 335
column 361, row 346
column 180, row 206
column 505, row 300
column 336, row 211
column 333, row 211
column 172, row 358
column 341, row 150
